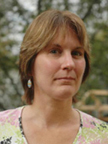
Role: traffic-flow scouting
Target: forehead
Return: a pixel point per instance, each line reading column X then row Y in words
column 67, row 36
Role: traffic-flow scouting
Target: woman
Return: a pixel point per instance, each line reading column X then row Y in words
column 54, row 62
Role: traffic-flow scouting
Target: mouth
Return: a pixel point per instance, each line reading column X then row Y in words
column 65, row 78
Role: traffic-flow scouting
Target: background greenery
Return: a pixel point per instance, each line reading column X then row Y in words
column 15, row 16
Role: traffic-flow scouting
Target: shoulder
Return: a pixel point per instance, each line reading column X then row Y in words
column 9, row 125
column 93, row 128
column 10, row 115
column 89, row 121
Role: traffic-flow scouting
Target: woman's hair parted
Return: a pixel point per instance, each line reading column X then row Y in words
column 39, row 34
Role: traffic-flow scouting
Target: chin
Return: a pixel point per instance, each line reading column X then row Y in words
column 65, row 95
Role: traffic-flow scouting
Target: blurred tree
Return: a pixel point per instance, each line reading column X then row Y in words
column 96, row 20
column 14, row 19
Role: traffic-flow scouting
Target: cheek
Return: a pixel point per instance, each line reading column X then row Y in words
column 81, row 67
column 51, row 65
column 46, row 67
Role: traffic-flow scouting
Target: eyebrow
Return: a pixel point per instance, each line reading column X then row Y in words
column 57, row 45
column 78, row 47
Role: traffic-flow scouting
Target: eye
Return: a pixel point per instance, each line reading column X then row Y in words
column 78, row 53
column 55, row 51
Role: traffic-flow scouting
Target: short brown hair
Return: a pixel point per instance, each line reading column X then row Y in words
column 40, row 32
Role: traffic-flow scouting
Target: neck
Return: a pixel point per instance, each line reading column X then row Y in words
column 53, row 112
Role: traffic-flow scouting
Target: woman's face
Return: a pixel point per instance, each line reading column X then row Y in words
column 59, row 68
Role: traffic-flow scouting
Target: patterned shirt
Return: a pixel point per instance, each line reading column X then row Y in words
column 91, row 131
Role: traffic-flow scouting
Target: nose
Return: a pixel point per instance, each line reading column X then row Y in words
column 68, row 62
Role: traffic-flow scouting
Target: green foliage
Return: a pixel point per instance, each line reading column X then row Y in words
column 9, row 79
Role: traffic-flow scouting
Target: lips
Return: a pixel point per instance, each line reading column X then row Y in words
column 65, row 78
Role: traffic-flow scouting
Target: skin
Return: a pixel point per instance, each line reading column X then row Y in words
column 58, row 71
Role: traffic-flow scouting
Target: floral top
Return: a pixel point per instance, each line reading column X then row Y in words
column 92, row 130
